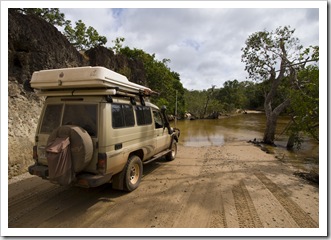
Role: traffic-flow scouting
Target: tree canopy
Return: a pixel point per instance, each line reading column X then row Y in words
column 83, row 37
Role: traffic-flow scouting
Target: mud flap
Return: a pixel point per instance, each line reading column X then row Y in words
column 59, row 161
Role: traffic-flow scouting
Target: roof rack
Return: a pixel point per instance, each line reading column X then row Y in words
column 94, row 92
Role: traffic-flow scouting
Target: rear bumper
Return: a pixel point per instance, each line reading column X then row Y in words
column 38, row 170
column 86, row 180
column 89, row 180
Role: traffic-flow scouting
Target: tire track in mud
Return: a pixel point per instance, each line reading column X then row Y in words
column 33, row 213
column 247, row 214
column 203, row 207
column 84, row 210
column 38, row 212
column 296, row 212
column 18, row 205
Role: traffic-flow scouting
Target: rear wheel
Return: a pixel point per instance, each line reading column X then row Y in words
column 133, row 173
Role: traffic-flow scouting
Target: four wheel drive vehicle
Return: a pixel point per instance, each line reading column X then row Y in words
column 97, row 127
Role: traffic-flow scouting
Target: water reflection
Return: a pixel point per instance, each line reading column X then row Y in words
column 245, row 127
column 217, row 132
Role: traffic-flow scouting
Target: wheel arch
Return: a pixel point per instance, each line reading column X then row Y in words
column 139, row 153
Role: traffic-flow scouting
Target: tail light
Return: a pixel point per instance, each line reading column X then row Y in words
column 35, row 153
column 102, row 162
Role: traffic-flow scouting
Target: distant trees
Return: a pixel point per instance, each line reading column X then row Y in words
column 232, row 96
column 274, row 57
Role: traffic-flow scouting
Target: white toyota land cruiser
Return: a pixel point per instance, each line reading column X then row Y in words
column 97, row 127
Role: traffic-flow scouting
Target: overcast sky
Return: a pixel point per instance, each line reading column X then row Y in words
column 203, row 44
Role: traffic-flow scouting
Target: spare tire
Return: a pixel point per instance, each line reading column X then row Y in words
column 81, row 144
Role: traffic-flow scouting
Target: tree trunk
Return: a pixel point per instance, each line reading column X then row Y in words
column 272, row 116
column 269, row 133
column 290, row 142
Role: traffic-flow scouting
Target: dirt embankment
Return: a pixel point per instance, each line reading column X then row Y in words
column 232, row 186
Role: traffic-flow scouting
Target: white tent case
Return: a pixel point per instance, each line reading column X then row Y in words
column 84, row 78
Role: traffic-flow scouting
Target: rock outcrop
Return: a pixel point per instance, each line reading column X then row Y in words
column 131, row 68
column 34, row 44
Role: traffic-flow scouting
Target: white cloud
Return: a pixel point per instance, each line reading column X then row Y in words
column 203, row 44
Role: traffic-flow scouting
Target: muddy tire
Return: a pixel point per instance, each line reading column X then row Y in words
column 81, row 145
column 172, row 155
column 133, row 172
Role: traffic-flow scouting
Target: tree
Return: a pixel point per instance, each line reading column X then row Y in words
column 118, row 44
column 51, row 15
column 209, row 94
column 273, row 57
column 195, row 101
column 82, row 37
column 233, row 95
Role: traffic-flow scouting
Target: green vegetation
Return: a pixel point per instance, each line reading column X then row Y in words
column 304, row 108
column 82, row 37
column 160, row 78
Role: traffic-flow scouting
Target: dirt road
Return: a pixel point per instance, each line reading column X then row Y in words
column 232, row 186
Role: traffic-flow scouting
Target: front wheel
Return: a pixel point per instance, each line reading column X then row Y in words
column 172, row 155
column 133, row 173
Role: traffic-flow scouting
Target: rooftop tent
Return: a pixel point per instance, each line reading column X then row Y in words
column 84, row 78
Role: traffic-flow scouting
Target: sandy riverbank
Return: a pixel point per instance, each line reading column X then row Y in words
column 229, row 186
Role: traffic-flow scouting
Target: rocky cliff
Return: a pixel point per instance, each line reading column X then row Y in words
column 34, row 44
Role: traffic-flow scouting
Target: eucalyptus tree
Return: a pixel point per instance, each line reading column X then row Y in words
column 274, row 56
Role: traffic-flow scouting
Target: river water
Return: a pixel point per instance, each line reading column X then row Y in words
column 245, row 127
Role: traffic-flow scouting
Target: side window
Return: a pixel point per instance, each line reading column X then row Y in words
column 52, row 118
column 128, row 115
column 158, row 119
column 122, row 115
column 143, row 114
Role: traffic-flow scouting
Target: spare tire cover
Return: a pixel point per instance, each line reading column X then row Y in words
column 81, row 145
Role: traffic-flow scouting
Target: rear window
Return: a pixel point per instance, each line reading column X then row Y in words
column 82, row 115
column 52, row 118
column 144, row 116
